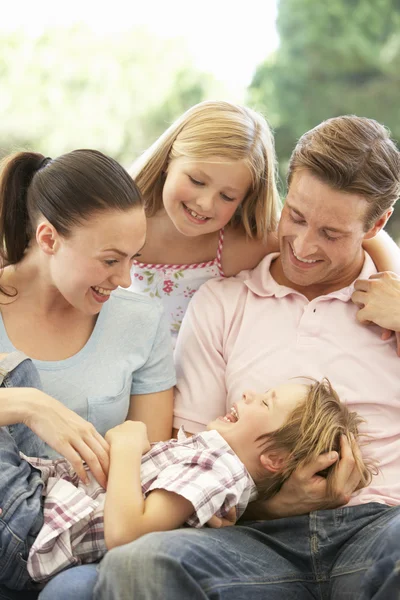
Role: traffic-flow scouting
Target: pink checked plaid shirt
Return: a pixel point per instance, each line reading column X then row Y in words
column 203, row 469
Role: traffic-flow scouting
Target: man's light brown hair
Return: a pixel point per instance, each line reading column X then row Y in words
column 315, row 426
column 354, row 155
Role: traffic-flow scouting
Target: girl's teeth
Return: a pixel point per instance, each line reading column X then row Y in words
column 196, row 216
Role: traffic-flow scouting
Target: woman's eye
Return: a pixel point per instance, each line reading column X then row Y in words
column 195, row 181
column 137, row 255
column 110, row 262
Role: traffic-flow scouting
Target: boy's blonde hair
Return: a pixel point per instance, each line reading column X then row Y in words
column 224, row 130
column 314, row 427
column 354, row 155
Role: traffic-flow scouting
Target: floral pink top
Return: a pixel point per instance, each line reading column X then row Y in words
column 175, row 284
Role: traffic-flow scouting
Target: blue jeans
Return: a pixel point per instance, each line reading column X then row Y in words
column 20, row 487
column 333, row 554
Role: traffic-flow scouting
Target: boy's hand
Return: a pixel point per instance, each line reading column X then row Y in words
column 129, row 433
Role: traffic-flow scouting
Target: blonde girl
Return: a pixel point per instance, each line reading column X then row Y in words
column 210, row 191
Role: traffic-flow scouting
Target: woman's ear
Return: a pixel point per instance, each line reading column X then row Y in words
column 273, row 461
column 46, row 237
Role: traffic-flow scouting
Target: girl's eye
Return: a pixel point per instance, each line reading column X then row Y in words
column 195, row 181
column 110, row 262
column 227, row 198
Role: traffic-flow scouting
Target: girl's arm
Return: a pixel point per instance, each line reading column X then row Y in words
column 127, row 516
column 384, row 252
column 156, row 411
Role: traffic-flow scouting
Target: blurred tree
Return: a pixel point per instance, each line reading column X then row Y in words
column 337, row 57
column 70, row 88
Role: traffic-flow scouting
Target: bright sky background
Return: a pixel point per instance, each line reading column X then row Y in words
column 225, row 37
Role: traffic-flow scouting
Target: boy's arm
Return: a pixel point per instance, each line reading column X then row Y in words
column 384, row 252
column 127, row 515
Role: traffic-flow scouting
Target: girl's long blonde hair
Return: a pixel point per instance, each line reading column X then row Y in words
column 315, row 426
column 212, row 130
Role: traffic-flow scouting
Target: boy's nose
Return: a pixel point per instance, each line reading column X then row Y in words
column 248, row 396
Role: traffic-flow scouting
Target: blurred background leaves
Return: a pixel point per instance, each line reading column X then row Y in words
column 71, row 87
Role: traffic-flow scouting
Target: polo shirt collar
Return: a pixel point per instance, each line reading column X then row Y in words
column 261, row 282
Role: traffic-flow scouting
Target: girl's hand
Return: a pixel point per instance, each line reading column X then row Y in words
column 379, row 299
column 129, row 433
column 69, row 434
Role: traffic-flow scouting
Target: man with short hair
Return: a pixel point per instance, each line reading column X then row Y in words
column 293, row 316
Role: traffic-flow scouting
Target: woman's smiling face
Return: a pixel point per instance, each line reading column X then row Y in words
column 97, row 257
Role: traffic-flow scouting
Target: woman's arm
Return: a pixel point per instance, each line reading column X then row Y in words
column 384, row 252
column 127, row 515
column 58, row 426
column 155, row 410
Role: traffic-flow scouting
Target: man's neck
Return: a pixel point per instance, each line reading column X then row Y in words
column 319, row 289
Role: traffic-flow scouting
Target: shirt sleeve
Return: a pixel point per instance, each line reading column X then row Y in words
column 158, row 372
column 200, row 364
column 211, row 489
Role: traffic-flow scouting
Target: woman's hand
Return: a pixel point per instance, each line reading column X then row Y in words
column 306, row 491
column 128, row 433
column 69, row 434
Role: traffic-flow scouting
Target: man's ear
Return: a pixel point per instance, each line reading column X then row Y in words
column 379, row 224
column 46, row 237
column 273, row 461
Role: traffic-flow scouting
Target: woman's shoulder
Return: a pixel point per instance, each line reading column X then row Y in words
column 243, row 253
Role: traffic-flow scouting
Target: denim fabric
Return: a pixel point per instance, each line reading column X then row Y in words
column 75, row 584
column 20, row 485
column 350, row 552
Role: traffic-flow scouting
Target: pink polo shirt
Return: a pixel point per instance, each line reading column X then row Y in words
column 249, row 332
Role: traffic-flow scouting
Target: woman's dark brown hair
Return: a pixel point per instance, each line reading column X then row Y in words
column 67, row 191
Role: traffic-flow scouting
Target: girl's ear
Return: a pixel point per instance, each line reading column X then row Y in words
column 273, row 461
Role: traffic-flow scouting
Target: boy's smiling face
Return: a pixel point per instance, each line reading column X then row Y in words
column 256, row 415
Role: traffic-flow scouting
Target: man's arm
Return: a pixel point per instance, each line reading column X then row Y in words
column 306, row 491
column 127, row 516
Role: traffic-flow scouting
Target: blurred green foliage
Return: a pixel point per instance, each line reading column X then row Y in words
column 337, row 57
column 70, row 88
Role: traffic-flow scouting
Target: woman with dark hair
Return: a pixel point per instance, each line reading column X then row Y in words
column 71, row 228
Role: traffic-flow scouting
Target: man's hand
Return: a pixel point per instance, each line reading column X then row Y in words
column 306, row 491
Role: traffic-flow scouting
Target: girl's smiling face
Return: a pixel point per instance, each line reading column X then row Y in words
column 96, row 257
column 202, row 196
